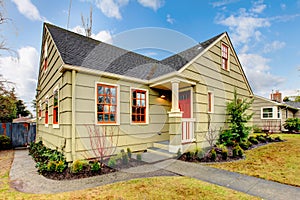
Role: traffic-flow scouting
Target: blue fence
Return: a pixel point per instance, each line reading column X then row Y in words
column 21, row 134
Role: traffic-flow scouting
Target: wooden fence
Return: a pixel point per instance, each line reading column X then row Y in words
column 21, row 134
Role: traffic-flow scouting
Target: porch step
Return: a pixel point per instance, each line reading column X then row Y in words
column 162, row 145
column 161, row 152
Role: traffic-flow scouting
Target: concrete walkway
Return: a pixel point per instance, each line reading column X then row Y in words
column 25, row 178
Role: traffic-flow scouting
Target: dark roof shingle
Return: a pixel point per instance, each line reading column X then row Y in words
column 83, row 51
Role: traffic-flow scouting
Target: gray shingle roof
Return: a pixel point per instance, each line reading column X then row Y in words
column 82, row 51
column 293, row 104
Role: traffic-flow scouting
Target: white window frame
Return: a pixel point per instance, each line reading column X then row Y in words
column 147, row 106
column 58, row 116
column 40, row 109
column 275, row 111
column 212, row 102
column 118, row 104
column 228, row 55
column 45, row 56
column 46, row 99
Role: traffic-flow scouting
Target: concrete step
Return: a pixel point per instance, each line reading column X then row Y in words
column 161, row 152
column 162, row 145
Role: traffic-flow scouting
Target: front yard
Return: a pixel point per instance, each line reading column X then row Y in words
column 146, row 188
column 278, row 162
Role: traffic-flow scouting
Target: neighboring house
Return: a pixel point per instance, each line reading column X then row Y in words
column 87, row 88
column 270, row 115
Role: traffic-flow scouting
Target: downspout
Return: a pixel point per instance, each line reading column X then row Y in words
column 73, row 131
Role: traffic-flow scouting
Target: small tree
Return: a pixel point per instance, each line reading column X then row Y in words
column 237, row 118
column 292, row 124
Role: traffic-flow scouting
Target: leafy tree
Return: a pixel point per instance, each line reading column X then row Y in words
column 297, row 99
column 21, row 109
column 286, row 99
column 236, row 112
column 8, row 109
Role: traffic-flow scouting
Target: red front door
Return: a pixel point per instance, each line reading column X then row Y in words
column 185, row 103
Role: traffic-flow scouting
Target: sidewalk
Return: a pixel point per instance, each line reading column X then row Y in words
column 25, row 178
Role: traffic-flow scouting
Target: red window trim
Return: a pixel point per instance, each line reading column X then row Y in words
column 209, row 102
column 224, row 52
column 46, row 112
column 135, row 116
column 110, row 104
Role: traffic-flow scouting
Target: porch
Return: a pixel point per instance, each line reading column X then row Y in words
column 180, row 117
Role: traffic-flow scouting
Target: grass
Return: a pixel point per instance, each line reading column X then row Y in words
column 278, row 162
column 146, row 188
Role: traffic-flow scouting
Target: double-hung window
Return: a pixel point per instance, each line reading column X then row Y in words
column 139, row 106
column 55, row 108
column 224, row 50
column 107, row 104
column 270, row 113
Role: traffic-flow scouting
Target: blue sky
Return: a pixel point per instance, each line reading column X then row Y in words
column 265, row 34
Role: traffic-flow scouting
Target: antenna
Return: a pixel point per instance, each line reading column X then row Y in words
column 87, row 26
column 69, row 13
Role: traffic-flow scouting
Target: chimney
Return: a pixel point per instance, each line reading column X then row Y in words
column 277, row 96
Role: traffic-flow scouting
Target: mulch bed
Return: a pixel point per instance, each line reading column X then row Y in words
column 87, row 172
column 207, row 156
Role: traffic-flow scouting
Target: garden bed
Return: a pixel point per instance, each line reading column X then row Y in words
column 229, row 153
column 52, row 164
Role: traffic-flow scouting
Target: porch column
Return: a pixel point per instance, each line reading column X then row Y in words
column 175, row 95
column 175, row 116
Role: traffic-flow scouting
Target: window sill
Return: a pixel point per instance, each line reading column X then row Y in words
column 55, row 125
column 46, row 125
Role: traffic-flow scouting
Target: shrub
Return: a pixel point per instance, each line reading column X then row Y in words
column 253, row 140
column 78, row 166
column 139, row 157
column 60, row 166
column 124, row 158
column 292, row 124
column 278, row 139
column 51, row 166
column 213, row 155
column 224, row 153
column 95, row 167
column 245, row 145
column 189, row 155
column 237, row 151
column 179, row 152
column 5, row 142
column 42, row 167
column 261, row 138
column 256, row 129
column 112, row 162
column 198, row 152
column 129, row 153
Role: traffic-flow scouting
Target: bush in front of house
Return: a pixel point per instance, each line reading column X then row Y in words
column 292, row 124
column 5, row 142
column 47, row 159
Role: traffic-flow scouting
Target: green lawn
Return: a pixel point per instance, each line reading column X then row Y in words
column 276, row 161
column 146, row 188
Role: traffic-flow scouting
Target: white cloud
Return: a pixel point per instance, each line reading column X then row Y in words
column 111, row 8
column 243, row 27
column 258, row 7
column 274, row 46
column 153, row 4
column 170, row 19
column 29, row 10
column 258, row 73
column 223, row 3
column 104, row 35
column 22, row 71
